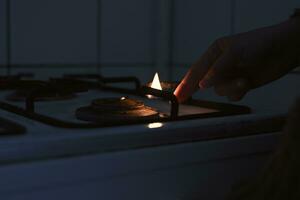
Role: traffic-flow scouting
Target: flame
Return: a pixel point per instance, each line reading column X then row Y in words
column 156, row 82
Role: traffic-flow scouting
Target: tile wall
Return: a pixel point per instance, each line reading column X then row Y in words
column 134, row 37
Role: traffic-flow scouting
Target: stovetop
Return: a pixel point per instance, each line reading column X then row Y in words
column 9, row 127
column 197, row 120
column 57, row 102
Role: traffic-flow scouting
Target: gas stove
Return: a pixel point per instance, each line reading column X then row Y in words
column 104, row 114
column 97, row 135
column 78, row 114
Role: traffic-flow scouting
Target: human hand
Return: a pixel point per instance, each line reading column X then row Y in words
column 236, row 64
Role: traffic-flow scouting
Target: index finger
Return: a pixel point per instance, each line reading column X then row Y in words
column 190, row 82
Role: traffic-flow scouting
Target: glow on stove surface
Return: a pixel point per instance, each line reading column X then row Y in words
column 155, row 125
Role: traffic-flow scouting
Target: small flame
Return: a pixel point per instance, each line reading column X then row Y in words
column 156, row 82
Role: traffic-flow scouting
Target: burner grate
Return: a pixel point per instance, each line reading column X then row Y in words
column 89, row 82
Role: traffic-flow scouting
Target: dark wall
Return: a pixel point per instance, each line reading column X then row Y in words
column 2, row 32
column 65, row 31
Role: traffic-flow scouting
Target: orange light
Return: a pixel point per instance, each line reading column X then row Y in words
column 156, row 82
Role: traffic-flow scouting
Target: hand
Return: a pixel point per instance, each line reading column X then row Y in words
column 236, row 64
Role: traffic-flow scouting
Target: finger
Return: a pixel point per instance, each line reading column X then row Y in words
column 237, row 96
column 234, row 90
column 221, row 89
column 222, row 69
column 186, row 87
column 208, row 79
column 189, row 84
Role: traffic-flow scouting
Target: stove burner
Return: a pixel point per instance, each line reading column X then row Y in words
column 166, row 86
column 116, row 104
column 112, row 109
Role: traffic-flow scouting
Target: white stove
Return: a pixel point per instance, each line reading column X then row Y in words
column 167, row 158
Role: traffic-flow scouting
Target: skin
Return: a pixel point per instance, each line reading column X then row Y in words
column 236, row 64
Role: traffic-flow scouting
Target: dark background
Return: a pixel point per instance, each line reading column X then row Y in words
column 135, row 37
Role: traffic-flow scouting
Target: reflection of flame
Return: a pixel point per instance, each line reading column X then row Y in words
column 156, row 82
